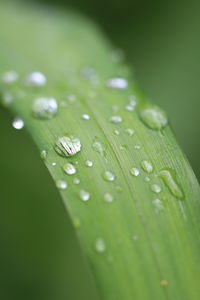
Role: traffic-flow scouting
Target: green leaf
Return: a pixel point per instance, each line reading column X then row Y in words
column 136, row 209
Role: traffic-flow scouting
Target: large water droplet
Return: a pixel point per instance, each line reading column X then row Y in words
column 44, row 108
column 108, row 198
column 115, row 119
column 84, row 195
column 135, row 172
column 18, row 123
column 154, row 117
column 67, row 145
column 100, row 245
column 156, row 188
column 147, row 166
column 10, row 77
column 61, row 184
column 69, row 169
column 36, row 79
column 170, row 181
column 117, row 83
column 108, row 176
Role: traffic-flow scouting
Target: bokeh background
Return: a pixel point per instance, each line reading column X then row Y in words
column 39, row 254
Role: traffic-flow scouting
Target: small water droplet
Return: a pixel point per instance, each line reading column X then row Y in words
column 108, row 176
column 100, row 245
column 115, row 108
column 154, row 117
column 117, row 83
column 44, row 108
column 10, row 77
column 53, row 164
column 76, row 180
column 88, row 163
column 36, row 79
column 135, row 237
column 123, row 147
column 147, row 179
column 116, row 132
column 137, row 147
column 156, row 188
column 135, row 172
column 118, row 188
column 158, row 205
column 108, row 198
column 130, row 131
column 132, row 101
column 84, row 195
column 169, row 179
column 76, row 222
column 43, row 154
column 147, row 166
column 115, row 119
column 61, row 184
column 85, row 117
column 71, row 98
column 18, row 123
column 67, row 145
column 99, row 147
column 69, row 169
column 129, row 108
column 7, row 99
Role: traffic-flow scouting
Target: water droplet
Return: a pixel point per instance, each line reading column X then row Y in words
column 7, row 99
column 116, row 132
column 108, row 198
column 129, row 108
column 71, row 98
column 115, row 119
column 123, row 147
column 137, row 147
column 69, row 169
column 158, row 205
column 115, row 108
column 10, row 77
column 88, row 163
column 61, row 184
column 135, row 172
column 53, row 164
column 18, row 123
column 164, row 282
column 170, row 181
column 85, row 117
column 156, row 188
column 147, row 179
column 84, row 195
column 117, row 83
column 132, row 101
column 108, row 176
column 147, row 166
column 118, row 188
column 130, row 131
column 76, row 180
column 154, row 117
column 99, row 147
column 135, row 237
column 36, row 79
column 100, row 245
column 76, row 222
column 43, row 154
column 44, row 108
column 67, row 145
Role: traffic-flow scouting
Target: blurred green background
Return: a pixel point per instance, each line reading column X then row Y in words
column 39, row 255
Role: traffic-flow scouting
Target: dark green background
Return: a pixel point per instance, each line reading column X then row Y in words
column 39, row 255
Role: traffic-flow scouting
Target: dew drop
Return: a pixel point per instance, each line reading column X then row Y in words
column 69, row 169
column 10, row 77
column 158, row 205
column 137, row 147
column 108, row 198
column 100, row 245
column 76, row 180
column 135, row 237
column 36, row 79
column 154, row 117
column 44, row 108
column 67, row 145
column 130, row 131
column 135, row 172
column 71, row 98
column 118, row 188
column 84, row 195
column 147, row 166
column 61, row 184
column 129, row 108
column 115, row 119
column 115, row 108
column 99, row 147
column 76, row 222
column 53, row 164
column 132, row 101
column 123, row 147
column 88, row 163
column 18, row 123
column 147, row 179
column 117, row 83
column 85, row 117
column 108, row 176
column 7, row 99
column 156, row 188
column 116, row 132
column 43, row 154
column 170, row 181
